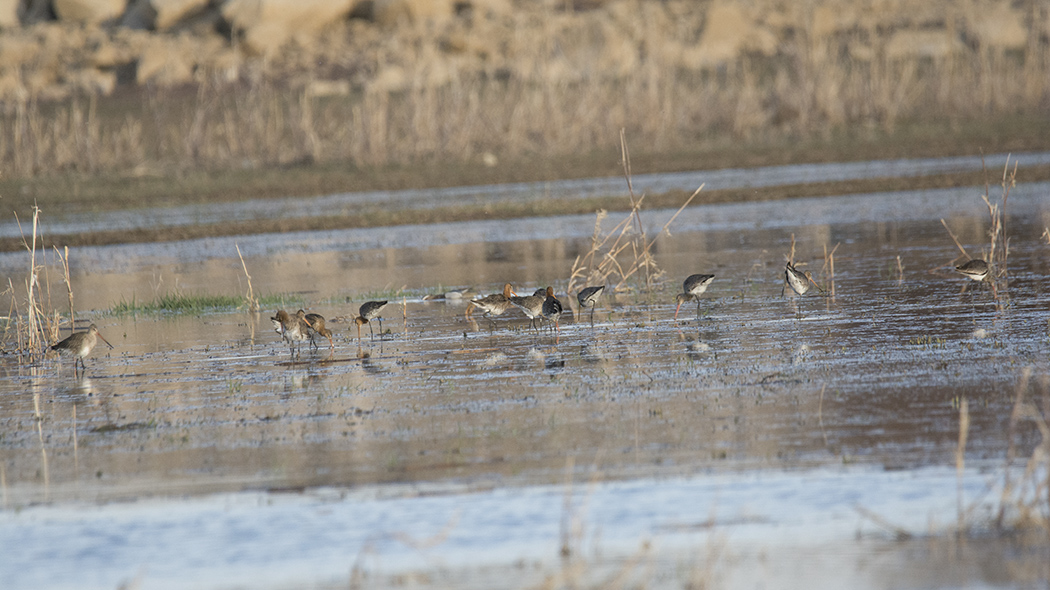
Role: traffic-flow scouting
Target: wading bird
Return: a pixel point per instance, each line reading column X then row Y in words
column 588, row 297
column 315, row 322
column 79, row 345
column 692, row 288
column 369, row 311
column 799, row 281
column 552, row 308
column 531, row 305
column 494, row 304
column 292, row 328
column 975, row 269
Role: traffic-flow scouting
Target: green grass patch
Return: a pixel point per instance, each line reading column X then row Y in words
column 180, row 303
column 183, row 303
column 279, row 300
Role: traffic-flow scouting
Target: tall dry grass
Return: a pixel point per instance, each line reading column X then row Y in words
column 34, row 323
column 998, row 239
column 1025, row 501
column 625, row 252
column 549, row 98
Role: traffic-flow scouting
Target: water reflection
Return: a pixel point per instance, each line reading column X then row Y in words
column 866, row 375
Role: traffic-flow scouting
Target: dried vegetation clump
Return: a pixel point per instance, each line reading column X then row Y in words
column 33, row 322
column 624, row 253
column 394, row 82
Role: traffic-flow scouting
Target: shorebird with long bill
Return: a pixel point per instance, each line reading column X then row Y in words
column 292, row 328
column 531, row 305
column 588, row 297
column 552, row 308
column 800, row 282
column 692, row 288
column 79, row 345
column 494, row 304
column 315, row 323
column 369, row 311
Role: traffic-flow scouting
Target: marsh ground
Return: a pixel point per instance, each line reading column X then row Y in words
column 682, row 452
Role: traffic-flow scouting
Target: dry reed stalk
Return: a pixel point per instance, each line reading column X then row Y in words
column 954, row 239
column 567, row 527
column 583, row 263
column 960, row 461
column 820, row 414
column 900, row 533
column 644, row 256
column 14, row 317
column 69, row 285
column 1036, row 511
column 1011, row 447
column 9, row 320
column 900, row 271
column 999, row 242
column 253, row 302
column 40, row 437
column 312, row 143
column 622, row 238
column 31, row 346
column 829, row 270
column 76, row 447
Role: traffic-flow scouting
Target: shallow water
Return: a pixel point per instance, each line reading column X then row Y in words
column 57, row 222
column 831, row 395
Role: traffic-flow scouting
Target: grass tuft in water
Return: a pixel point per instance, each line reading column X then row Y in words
column 180, row 303
column 277, row 300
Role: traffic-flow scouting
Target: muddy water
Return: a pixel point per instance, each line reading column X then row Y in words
column 828, row 394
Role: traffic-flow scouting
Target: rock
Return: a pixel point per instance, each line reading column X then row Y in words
column 487, row 8
column 265, row 25
column 139, row 15
column 11, row 87
column 171, row 12
column 94, row 81
column 88, row 11
column 729, row 31
column 36, row 11
column 390, row 79
column 9, row 13
column 106, row 55
column 19, row 50
column 169, row 61
column 391, row 12
column 323, row 88
column 933, row 43
column 999, row 27
column 163, row 63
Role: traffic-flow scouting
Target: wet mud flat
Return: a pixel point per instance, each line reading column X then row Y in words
column 702, row 437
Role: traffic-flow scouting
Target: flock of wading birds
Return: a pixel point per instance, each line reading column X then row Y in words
column 541, row 305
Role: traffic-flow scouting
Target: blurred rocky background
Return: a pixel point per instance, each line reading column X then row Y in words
column 152, row 86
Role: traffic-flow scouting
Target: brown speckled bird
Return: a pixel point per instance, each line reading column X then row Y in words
column 79, row 345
